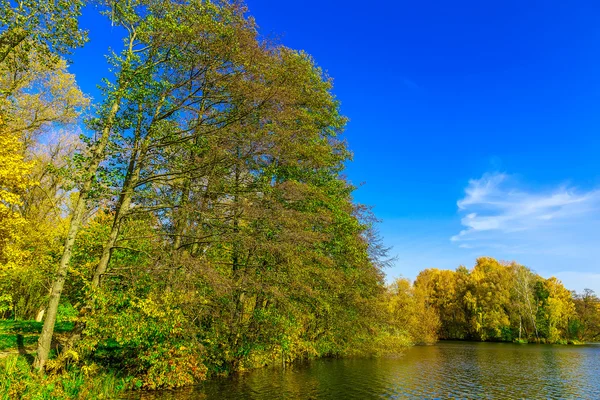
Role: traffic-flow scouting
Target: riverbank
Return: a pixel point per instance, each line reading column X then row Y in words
column 440, row 369
column 18, row 340
column 76, row 379
column 565, row 342
column 70, row 375
column 449, row 369
column 19, row 381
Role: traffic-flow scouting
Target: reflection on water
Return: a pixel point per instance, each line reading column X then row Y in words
column 446, row 370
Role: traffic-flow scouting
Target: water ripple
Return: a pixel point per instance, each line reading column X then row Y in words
column 449, row 370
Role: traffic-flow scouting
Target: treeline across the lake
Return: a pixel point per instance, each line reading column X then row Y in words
column 498, row 301
column 192, row 220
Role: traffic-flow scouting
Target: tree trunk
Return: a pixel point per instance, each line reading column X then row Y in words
column 45, row 339
column 122, row 209
column 121, row 212
column 40, row 315
column 131, row 180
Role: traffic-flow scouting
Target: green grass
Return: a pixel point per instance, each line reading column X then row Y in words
column 15, row 335
column 16, row 341
column 19, row 381
column 23, row 327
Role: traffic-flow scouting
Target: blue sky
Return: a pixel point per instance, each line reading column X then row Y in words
column 474, row 125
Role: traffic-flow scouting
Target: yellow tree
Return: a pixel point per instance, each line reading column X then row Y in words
column 558, row 310
column 411, row 311
column 14, row 180
column 490, row 297
column 443, row 289
column 36, row 93
column 35, row 96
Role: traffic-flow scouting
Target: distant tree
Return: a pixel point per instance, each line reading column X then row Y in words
column 558, row 308
column 444, row 290
column 587, row 306
column 36, row 94
column 411, row 311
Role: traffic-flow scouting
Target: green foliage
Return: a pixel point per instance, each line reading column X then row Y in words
column 209, row 229
column 586, row 326
column 38, row 31
column 66, row 313
column 145, row 336
column 205, row 227
column 5, row 302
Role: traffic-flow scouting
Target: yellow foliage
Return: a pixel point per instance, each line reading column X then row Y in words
column 560, row 308
column 35, row 96
column 14, row 180
column 411, row 311
column 58, row 364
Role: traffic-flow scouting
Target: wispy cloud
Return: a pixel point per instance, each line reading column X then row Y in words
column 496, row 208
column 409, row 83
column 554, row 230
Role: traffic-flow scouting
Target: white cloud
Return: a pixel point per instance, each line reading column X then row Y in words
column 496, row 209
column 554, row 231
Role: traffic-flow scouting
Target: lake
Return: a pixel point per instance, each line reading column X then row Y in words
column 448, row 369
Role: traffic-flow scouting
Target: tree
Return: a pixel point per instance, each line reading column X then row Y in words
column 48, row 28
column 587, row 306
column 444, row 290
column 36, row 92
column 171, row 114
column 14, row 181
column 137, row 57
column 524, row 298
column 411, row 310
column 557, row 310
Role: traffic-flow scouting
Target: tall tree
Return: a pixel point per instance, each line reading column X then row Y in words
column 131, row 66
column 36, row 93
column 183, row 103
column 524, row 299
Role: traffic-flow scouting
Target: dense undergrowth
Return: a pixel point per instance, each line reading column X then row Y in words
column 18, row 381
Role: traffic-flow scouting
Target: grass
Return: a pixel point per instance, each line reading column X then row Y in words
column 17, row 335
column 19, row 381
column 16, row 341
column 32, row 326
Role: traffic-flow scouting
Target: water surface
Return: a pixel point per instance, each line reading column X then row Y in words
column 446, row 370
